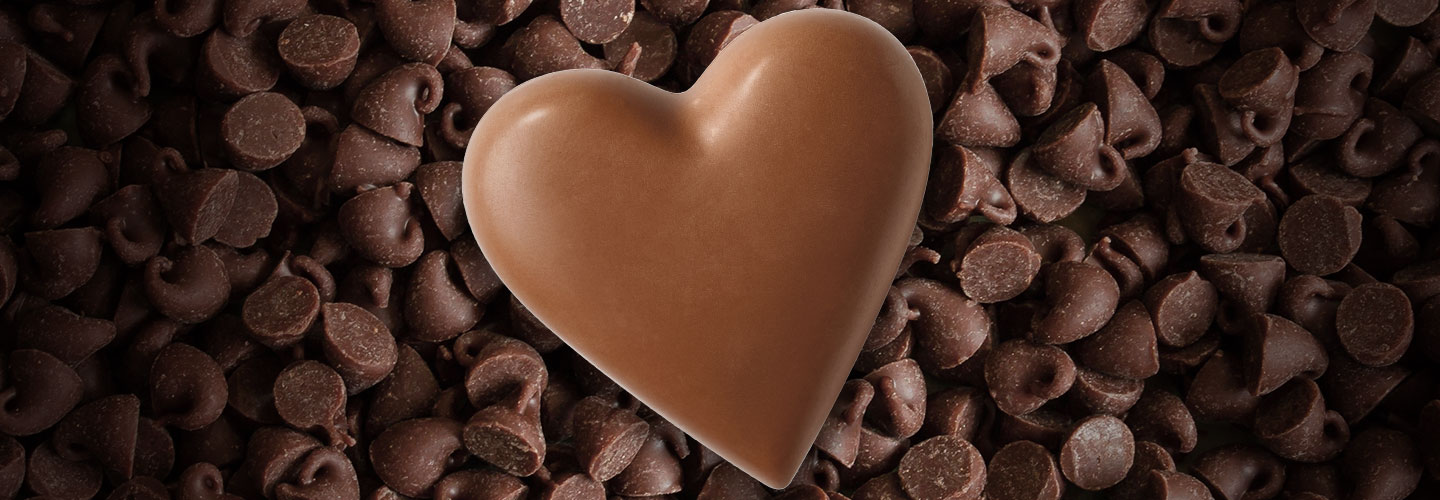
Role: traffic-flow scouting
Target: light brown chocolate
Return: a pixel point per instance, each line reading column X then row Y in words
column 720, row 253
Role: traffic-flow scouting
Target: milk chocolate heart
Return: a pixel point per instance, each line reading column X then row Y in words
column 720, row 253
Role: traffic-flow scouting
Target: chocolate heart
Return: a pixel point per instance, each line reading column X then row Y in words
column 720, row 253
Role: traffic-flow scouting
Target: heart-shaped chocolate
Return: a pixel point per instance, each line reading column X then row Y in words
column 720, row 253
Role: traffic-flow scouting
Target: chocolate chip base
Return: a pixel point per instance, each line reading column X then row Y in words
column 1176, row 249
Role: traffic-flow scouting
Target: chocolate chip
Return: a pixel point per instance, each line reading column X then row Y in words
column 1381, row 463
column 962, row 185
column 49, row 474
column 1375, row 324
column 1098, row 452
column 252, row 214
column 380, row 226
column 607, row 438
column 281, row 311
column 418, row 31
column 357, row 345
column 997, row 265
column 546, row 46
column 1240, row 471
column 1125, row 347
column 978, row 118
column 188, row 390
column 102, row 431
column 261, row 130
column 943, row 467
column 657, row 42
column 319, row 50
column 310, row 396
column 191, row 288
column 711, row 34
column 1023, row 470
column 1294, row 424
column 1189, row 32
column 898, row 406
column 412, row 455
column 655, row 470
column 1319, row 214
column 40, row 391
column 197, row 202
column 234, row 65
column 395, row 103
column 1080, row 297
column 1022, row 375
column 1040, row 196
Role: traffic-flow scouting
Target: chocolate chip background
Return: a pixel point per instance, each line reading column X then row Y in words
column 1173, row 249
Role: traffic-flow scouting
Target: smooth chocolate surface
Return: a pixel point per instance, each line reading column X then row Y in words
column 194, row 307
column 720, row 253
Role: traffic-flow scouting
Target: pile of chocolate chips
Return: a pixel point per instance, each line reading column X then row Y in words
column 1174, row 249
